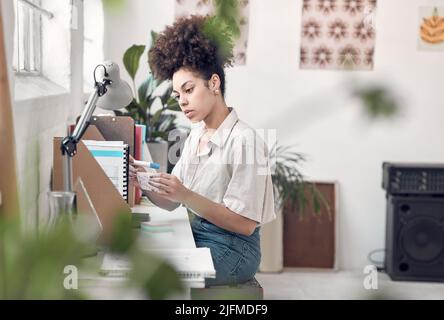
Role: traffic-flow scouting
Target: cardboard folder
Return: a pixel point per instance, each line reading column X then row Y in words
column 103, row 195
column 114, row 128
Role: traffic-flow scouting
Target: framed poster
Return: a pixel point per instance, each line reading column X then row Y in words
column 431, row 28
column 337, row 34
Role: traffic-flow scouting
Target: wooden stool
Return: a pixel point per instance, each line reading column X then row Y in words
column 250, row 290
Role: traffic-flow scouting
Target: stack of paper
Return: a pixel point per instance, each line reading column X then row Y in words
column 113, row 157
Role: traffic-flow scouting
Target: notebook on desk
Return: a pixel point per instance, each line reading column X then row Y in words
column 190, row 264
column 140, row 214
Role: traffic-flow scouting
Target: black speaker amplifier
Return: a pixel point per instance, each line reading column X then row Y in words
column 415, row 238
column 413, row 179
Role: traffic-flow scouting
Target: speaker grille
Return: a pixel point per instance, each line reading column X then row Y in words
column 422, row 239
column 415, row 238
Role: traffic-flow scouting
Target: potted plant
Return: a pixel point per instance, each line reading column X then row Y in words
column 290, row 189
column 158, row 111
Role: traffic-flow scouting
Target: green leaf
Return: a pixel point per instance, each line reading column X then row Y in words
column 151, row 41
column 153, row 87
column 218, row 32
column 32, row 265
column 228, row 12
column 173, row 105
column 140, row 108
column 316, row 205
column 159, row 134
column 122, row 237
column 165, row 122
column 166, row 95
column 131, row 59
column 144, row 90
column 153, row 38
column 158, row 278
column 378, row 102
column 156, row 117
column 135, row 111
column 148, row 99
column 114, row 5
column 318, row 196
column 301, row 202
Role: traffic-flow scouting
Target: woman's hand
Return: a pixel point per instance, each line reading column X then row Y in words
column 133, row 169
column 169, row 187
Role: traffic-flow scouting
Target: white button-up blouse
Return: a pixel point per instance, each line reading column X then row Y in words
column 234, row 170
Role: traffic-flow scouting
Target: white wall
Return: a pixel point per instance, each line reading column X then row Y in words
column 313, row 109
column 42, row 107
column 132, row 25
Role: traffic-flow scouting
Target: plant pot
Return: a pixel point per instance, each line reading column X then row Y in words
column 272, row 245
column 159, row 153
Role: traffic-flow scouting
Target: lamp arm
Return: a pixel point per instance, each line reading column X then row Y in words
column 69, row 143
column 83, row 122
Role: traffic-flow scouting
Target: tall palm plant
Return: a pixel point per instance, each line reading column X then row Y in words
column 290, row 187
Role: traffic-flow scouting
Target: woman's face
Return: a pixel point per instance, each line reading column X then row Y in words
column 195, row 95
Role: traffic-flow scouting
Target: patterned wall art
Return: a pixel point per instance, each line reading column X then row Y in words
column 204, row 7
column 431, row 28
column 338, row 34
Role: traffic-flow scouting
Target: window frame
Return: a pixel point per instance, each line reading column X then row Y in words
column 31, row 21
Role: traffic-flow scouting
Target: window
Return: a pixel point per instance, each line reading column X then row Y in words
column 93, row 40
column 27, row 36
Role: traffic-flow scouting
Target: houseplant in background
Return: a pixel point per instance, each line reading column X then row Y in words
column 290, row 190
column 158, row 111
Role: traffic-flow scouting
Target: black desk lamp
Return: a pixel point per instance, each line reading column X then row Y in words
column 110, row 93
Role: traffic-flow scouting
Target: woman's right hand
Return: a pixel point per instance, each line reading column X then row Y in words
column 133, row 169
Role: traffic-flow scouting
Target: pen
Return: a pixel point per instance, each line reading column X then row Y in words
column 153, row 165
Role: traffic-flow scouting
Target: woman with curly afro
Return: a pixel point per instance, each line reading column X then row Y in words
column 230, row 196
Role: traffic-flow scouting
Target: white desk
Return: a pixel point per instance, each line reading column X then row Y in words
column 103, row 287
column 181, row 237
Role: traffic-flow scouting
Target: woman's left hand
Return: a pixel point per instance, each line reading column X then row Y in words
column 169, row 187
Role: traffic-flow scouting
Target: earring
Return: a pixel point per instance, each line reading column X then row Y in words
column 216, row 91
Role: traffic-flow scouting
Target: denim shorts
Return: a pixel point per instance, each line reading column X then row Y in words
column 236, row 257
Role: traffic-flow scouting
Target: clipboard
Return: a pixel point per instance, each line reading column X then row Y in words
column 116, row 128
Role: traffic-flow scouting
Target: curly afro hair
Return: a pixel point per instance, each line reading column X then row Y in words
column 187, row 44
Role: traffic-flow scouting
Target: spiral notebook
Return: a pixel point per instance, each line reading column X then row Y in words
column 190, row 263
column 113, row 157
